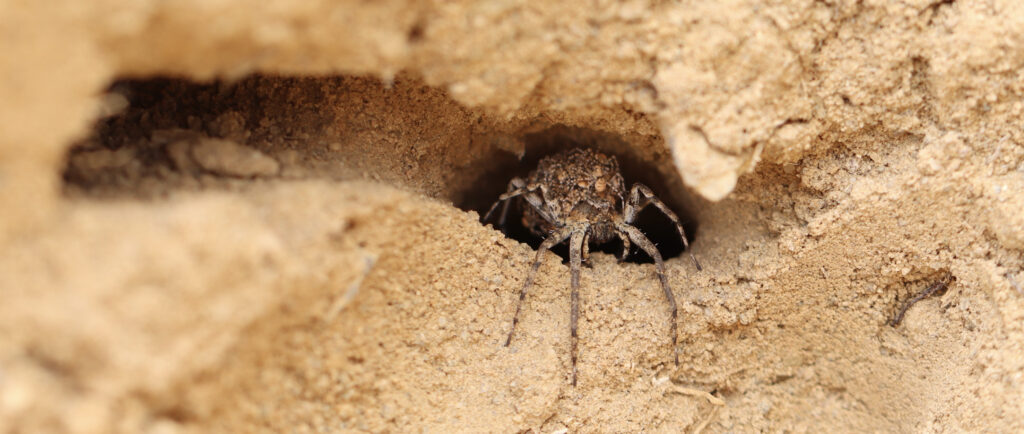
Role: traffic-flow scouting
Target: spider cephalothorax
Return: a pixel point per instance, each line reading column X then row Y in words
column 579, row 195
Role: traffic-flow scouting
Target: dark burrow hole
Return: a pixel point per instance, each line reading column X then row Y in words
column 651, row 221
column 169, row 104
column 146, row 141
column 133, row 111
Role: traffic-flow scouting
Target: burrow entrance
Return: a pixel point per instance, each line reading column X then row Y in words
column 654, row 224
column 166, row 134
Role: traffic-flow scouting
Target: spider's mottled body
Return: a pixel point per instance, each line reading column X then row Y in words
column 579, row 187
column 579, row 195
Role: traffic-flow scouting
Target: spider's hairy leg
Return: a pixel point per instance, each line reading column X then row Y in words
column 554, row 238
column 637, row 237
column 516, row 187
column 637, row 203
column 575, row 256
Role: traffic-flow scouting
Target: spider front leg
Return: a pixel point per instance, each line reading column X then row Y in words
column 659, row 265
column 636, row 203
column 516, row 187
column 575, row 257
column 553, row 239
column 586, row 251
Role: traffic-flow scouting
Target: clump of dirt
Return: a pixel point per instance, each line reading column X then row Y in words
column 296, row 245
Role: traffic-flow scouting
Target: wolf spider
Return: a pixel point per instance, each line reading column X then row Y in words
column 575, row 195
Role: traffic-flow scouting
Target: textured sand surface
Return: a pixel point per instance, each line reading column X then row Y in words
column 285, row 236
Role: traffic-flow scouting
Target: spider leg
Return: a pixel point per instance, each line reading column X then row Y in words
column 575, row 256
column 637, row 203
column 516, row 187
column 537, row 202
column 504, row 213
column 554, row 238
column 659, row 265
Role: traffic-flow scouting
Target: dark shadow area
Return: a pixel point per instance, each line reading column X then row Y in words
column 141, row 116
column 144, row 142
column 146, row 145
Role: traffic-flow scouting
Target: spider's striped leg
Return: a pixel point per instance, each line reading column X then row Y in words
column 516, row 187
column 554, row 238
column 659, row 265
column 637, row 203
column 575, row 257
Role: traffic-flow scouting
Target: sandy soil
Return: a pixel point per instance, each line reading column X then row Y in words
column 238, row 217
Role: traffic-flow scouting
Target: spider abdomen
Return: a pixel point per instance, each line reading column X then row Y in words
column 577, row 185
